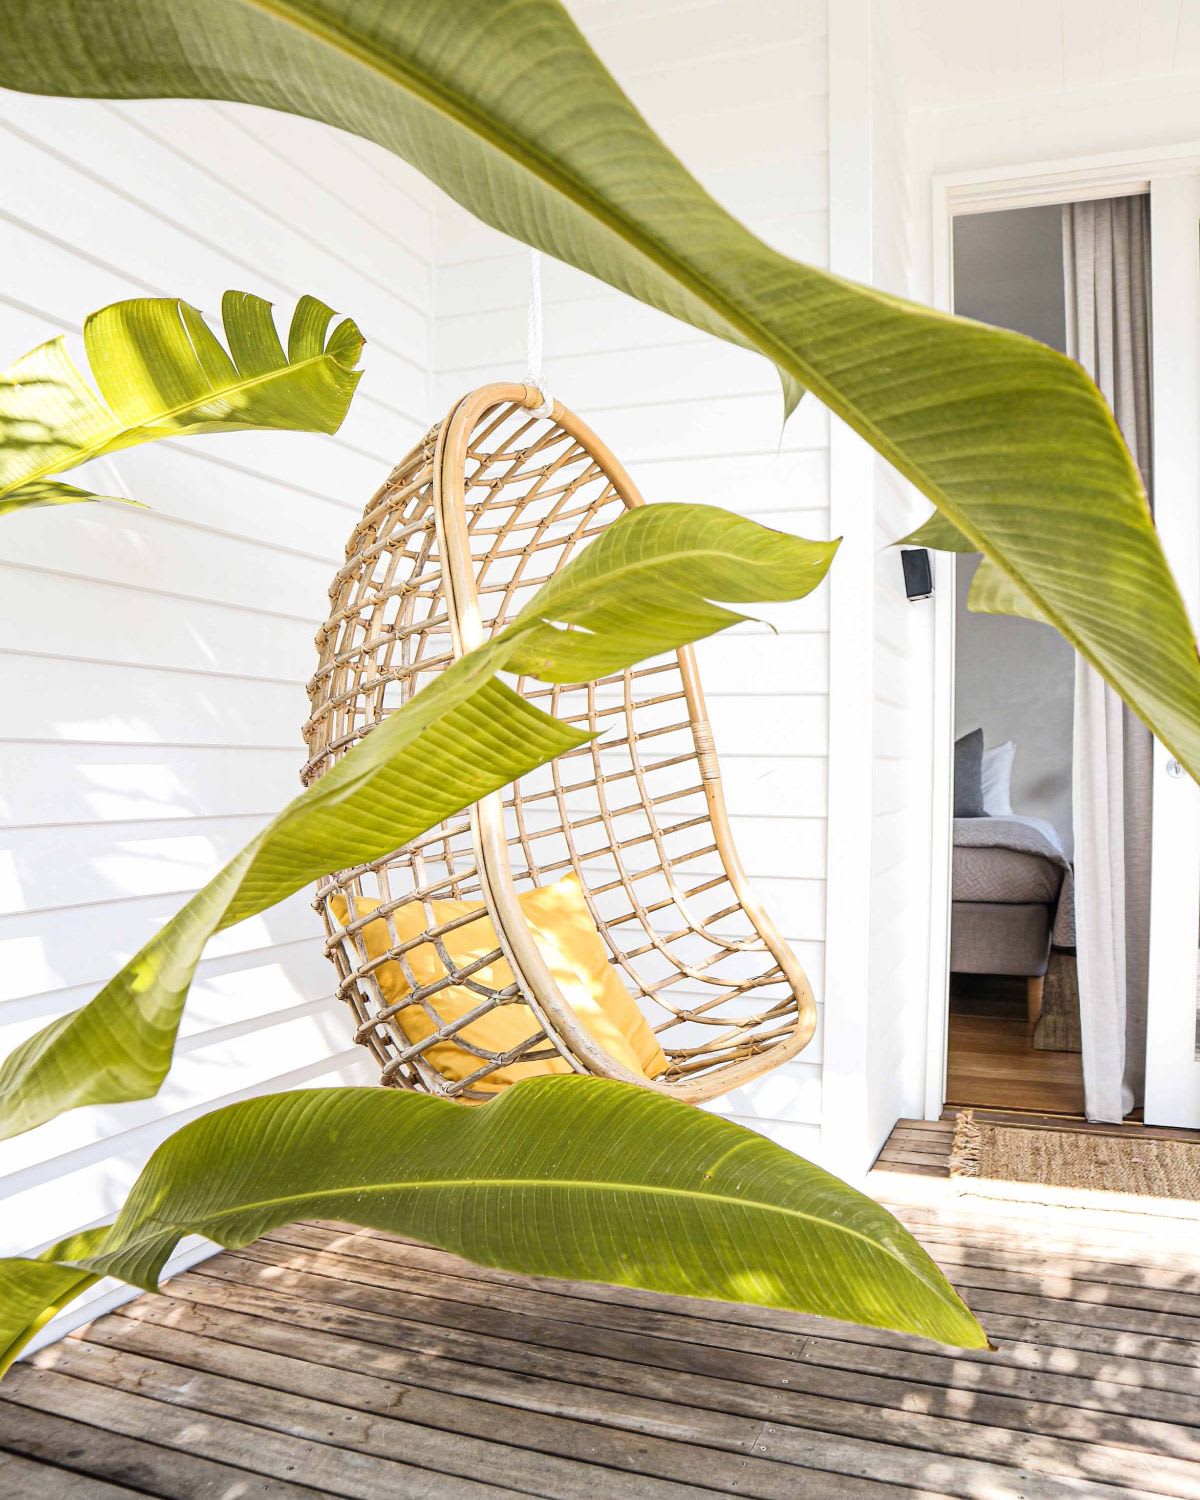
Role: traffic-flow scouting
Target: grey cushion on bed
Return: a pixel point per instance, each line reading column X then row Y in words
column 968, row 775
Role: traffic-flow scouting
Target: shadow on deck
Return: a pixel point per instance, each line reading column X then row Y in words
column 333, row 1362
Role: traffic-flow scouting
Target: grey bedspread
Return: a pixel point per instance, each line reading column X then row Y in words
column 1012, row 860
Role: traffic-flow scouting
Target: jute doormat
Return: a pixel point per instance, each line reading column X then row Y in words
column 1076, row 1167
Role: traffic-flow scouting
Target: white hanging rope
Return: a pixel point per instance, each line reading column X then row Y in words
column 534, row 374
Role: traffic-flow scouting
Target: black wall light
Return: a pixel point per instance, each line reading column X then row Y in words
column 918, row 572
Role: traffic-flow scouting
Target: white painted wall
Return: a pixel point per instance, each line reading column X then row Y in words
column 152, row 663
column 900, row 738
column 879, row 780
column 739, row 92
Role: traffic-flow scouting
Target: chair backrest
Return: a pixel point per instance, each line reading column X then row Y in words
column 465, row 530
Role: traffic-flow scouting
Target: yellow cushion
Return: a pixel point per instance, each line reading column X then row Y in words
column 574, row 952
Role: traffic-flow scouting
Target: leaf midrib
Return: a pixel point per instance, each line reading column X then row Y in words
column 541, row 1184
column 97, row 449
column 643, row 563
column 528, row 158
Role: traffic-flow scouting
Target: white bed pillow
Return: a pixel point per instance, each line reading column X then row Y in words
column 997, row 780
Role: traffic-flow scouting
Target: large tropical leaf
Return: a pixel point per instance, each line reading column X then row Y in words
column 992, row 591
column 573, row 1177
column 160, row 371
column 461, row 737
column 509, row 110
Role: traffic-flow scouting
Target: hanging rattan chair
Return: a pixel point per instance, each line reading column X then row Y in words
column 481, row 513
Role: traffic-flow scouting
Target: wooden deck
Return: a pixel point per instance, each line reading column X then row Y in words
column 322, row 1361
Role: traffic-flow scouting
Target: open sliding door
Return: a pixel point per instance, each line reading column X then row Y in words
column 1172, row 1051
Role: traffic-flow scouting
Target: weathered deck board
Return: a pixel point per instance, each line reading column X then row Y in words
column 905, row 1388
column 22, row 1476
column 328, row 1361
column 98, row 1462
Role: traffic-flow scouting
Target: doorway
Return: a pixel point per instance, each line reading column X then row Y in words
column 1027, row 733
column 1170, row 177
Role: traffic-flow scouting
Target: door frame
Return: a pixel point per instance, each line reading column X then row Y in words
column 1072, row 179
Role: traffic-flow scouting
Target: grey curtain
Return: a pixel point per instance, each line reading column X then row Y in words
column 1106, row 261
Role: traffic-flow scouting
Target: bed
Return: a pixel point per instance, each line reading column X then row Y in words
column 1012, row 899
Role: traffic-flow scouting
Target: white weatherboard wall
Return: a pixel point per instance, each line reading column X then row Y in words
column 879, row 777
column 900, row 738
column 739, row 93
column 152, row 663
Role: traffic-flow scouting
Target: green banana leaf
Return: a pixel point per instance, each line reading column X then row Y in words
column 510, row 112
column 464, row 735
column 54, row 492
column 575, row 1177
column 940, row 535
column 992, row 591
column 160, row 371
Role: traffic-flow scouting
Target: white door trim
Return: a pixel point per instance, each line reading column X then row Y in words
column 1172, row 1068
column 845, row 1147
column 1104, row 175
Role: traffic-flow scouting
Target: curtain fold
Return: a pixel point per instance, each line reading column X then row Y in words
column 1106, row 264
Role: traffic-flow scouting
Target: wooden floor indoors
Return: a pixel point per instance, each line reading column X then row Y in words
column 991, row 1060
column 322, row 1361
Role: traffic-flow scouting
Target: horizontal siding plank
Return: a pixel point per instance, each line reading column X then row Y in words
column 147, row 706
column 685, row 429
column 106, row 935
column 150, row 554
column 50, row 265
column 765, row 666
column 55, row 869
column 772, row 66
column 787, row 725
column 195, row 132
column 374, row 183
column 589, row 377
column 187, row 636
column 64, row 784
column 130, row 173
column 99, row 1151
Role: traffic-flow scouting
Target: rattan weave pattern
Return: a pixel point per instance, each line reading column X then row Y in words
column 466, row 528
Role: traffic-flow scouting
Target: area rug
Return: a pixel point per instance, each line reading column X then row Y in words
column 1115, row 1170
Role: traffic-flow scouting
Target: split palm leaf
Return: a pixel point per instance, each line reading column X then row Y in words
column 160, row 372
